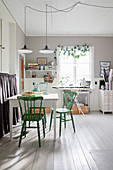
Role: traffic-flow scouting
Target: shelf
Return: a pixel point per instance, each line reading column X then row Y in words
column 41, row 70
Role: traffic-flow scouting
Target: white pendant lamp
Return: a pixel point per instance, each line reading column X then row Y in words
column 46, row 50
column 25, row 50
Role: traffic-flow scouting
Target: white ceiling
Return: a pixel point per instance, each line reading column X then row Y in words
column 82, row 20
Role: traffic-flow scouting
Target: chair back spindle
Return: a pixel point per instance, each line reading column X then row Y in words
column 29, row 107
column 68, row 99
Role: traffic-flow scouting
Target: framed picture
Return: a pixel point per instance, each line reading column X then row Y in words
column 42, row 61
column 104, row 65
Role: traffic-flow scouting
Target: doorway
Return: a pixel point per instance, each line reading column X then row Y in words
column 22, row 73
column 0, row 45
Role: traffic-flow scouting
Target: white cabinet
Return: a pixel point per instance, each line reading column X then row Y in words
column 106, row 100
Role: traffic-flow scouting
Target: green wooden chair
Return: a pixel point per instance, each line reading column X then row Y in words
column 28, row 114
column 68, row 100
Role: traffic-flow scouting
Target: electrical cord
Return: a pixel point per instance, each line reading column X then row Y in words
column 97, row 6
column 56, row 10
column 65, row 10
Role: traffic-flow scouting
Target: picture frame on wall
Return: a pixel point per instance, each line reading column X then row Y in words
column 41, row 61
column 104, row 65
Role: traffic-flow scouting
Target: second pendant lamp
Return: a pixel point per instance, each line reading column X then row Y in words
column 46, row 50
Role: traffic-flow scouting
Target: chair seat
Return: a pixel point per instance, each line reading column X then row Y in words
column 62, row 110
column 37, row 110
column 32, row 117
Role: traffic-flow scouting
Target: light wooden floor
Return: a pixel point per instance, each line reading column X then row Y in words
column 90, row 148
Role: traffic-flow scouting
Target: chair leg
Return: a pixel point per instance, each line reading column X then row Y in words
column 72, row 121
column 43, row 123
column 29, row 123
column 25, row 128
column 21, row 134
column 51, row 120
column 65, row 120
column 60, row 124
column 45, row 118
column 38, row 129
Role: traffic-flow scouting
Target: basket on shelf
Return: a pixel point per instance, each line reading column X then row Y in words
column 48, row 78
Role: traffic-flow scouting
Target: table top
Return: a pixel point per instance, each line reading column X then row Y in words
column 72, row 87
column 50, row 96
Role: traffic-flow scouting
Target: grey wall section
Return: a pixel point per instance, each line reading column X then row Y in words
column 103, row 48
column 20, row 41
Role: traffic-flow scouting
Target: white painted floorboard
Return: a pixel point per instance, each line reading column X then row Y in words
column 90, row 148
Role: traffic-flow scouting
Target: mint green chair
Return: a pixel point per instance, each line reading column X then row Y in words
column 68, row 101
column 28, row 114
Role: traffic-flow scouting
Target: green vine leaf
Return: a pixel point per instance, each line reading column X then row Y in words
column 79, row 49
column 72, row 52
column 60, row 82
column 66, row 48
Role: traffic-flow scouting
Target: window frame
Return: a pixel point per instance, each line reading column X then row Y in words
column 91, row 62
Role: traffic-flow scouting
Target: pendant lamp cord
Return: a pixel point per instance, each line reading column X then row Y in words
column 46, row 24
column 25, row 20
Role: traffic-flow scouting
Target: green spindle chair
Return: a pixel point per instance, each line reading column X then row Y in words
column 28, row 114
column 68, row 101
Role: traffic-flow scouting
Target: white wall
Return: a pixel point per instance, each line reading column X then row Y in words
column 12, row 48
column 0, row 44
column 13, row 39
column 8, row 37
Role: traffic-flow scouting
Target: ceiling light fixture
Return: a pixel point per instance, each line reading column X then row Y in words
column 46, row 50
column 25, row 50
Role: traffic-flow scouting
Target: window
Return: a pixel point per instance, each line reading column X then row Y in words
column 75, row 69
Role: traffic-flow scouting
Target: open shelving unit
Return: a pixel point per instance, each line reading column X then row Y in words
column 41, row 72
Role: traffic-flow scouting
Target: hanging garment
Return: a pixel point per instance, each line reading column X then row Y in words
column 1, row 107
column 4, row 106
column 7, row 89
column 13, row 91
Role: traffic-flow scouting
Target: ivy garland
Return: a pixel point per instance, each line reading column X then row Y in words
column 72, row 52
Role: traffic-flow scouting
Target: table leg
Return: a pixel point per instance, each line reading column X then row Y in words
column 11, row 117
column 54, row 107
column 89, row 100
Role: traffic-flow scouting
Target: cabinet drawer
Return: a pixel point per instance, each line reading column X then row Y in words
column 106, row 107
column 111, row 109
column 106, row 100
column 108, row 93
